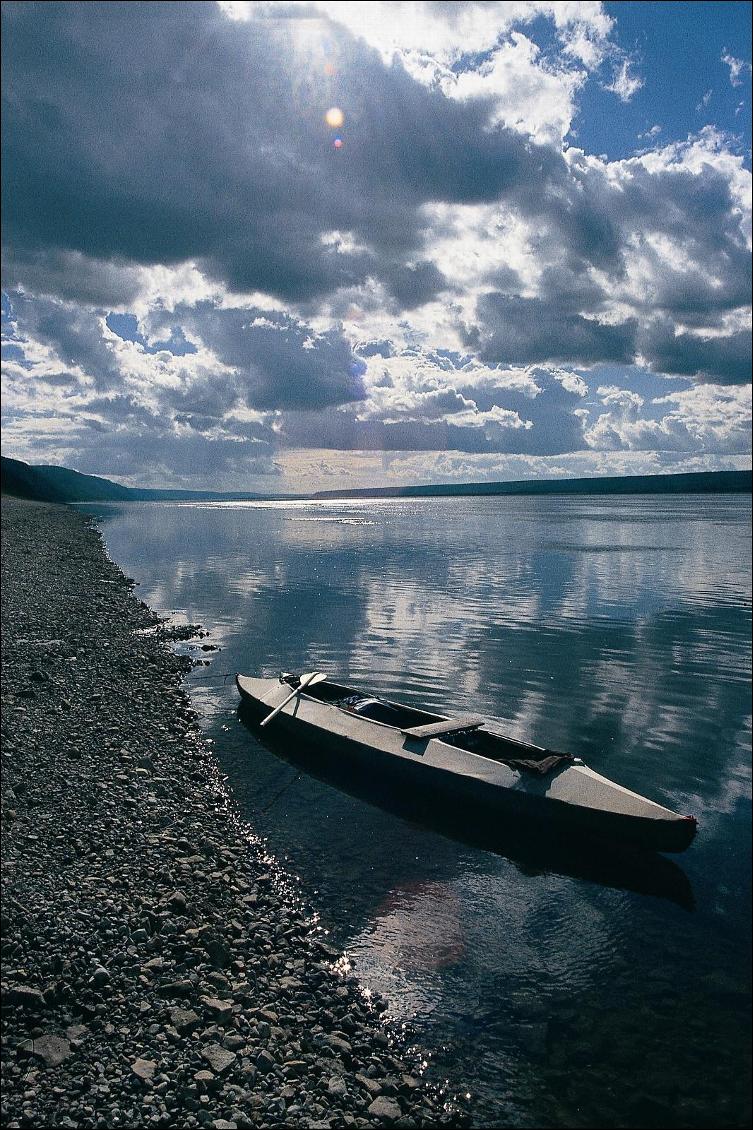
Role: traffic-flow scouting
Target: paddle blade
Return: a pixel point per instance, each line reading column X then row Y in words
column 306, row 681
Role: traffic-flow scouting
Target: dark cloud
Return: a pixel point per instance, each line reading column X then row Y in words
column 144, row 133
column 174, row 458
column 74, row 334
column 375, row 349
column 138, row 134
column 268, row 361
column 162, row 133
column 519, row 331
column 278, row 362
column 71, row 276
column 719, row 360
column 703, row 290
column 412, row 285
column 342, row 432
column 540, row 424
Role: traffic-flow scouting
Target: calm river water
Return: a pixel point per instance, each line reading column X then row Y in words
column 558, row 990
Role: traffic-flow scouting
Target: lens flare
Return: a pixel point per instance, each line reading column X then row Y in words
column 337, row 143
column 334, row 117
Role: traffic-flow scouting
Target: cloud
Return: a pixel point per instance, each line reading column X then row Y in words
column 73, row 334
column 517, row 331
column 263, row 359
column 621, row 397
column 738, row 68
column 429, row 37
column 72, row 276
column 141, row 136
column 643, row 258
column 704, row 419
column 420, row 401
column 531, row 95
column 277, row 361
column 717, row 359
column 230, row 167
column 190, row 260
column 624, row 84
column 375, row 349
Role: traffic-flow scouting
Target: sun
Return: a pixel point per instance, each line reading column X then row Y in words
column 334, row 117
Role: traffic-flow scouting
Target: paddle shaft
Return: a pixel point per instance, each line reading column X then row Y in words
column 314, row 677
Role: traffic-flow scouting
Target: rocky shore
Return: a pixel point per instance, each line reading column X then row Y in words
column 155, row 970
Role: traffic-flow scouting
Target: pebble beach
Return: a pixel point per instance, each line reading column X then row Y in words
column 158, row 969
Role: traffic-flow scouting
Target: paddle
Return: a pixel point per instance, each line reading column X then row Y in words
column 306, row 681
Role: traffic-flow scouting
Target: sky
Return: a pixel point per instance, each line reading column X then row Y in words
column 287, row 247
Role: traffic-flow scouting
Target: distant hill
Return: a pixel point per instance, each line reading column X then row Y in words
column 694, row 482
column 56, row 484
column 59, row 484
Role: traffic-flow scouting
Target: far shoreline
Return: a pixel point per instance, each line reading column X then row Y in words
column 61, row 484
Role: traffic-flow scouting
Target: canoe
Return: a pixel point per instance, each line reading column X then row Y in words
column 467, row 760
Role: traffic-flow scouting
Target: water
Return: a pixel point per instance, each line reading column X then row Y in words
column 558, row 991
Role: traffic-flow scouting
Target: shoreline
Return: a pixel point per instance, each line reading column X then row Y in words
column 155, row 971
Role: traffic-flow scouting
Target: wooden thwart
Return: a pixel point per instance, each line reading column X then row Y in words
column 449, row 726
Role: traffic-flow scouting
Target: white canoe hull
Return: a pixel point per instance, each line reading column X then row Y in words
column 572, row 795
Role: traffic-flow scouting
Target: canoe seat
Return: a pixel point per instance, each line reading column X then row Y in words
column 449, row 726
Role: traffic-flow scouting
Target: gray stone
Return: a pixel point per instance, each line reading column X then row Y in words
column 52, row 1050
column 218, row 1058
column 339, row 1045
column 177, row 902
column 220, row 1010
column 385, row 1110
column 177, row 989
column 219, row 953
column 183, row 1019
column 23, row 996
column 264, row 1061
column 373, row 1086
column 144, row 1068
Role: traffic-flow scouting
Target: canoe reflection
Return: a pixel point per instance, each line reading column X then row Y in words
column 533, row 850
